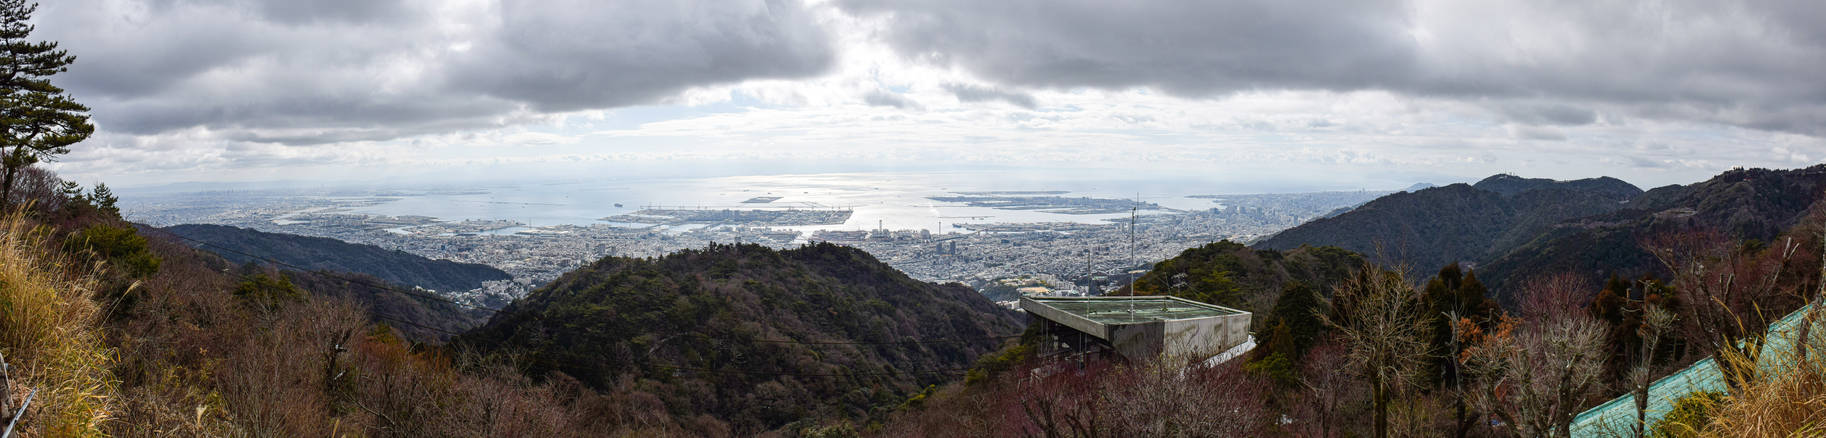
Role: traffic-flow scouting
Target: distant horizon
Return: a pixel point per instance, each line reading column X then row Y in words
column 1295, row 95
column 1244, row 185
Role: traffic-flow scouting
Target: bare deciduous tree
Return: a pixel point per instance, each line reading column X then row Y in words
column 1161, row 398
column 1814, row 226
column 1384, row 334
column 1722, row 285
column 1326, row 391
column 1656, row 321
column 39, row 188
column 1536, row 371
column 1559, row 364
column 1165, row 399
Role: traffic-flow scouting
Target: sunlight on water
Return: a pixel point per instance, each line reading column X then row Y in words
column 893, row 200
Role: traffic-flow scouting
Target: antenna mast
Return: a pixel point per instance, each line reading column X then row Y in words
column 1133, row 209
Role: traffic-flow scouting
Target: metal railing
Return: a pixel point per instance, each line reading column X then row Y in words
column 22, row 408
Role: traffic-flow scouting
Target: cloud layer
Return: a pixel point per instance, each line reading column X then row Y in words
column 1750, row 63
column 205, row 88
column 294, row 72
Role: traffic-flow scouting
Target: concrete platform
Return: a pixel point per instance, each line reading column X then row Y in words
column 1143, row 328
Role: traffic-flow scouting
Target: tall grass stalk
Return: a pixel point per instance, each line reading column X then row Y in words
column 50, row 334
column 1789, row 402
column 1783, row 389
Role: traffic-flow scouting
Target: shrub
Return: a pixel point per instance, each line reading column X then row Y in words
column 919, row 399
column 120, row 245
column 1275, row 367
column 1690, row 415
column 267, row 292
column 990, row 365
column 839, row 430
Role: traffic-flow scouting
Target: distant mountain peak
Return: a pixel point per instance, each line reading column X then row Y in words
column 1508, row 184
column 1418, row 187
column 1459, row 222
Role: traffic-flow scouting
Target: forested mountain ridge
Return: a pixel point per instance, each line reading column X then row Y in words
column 759, row 338
column 419, row 316
column 318, row 253
column 1745, row 204
column 1512, row 228
column 1459, row 222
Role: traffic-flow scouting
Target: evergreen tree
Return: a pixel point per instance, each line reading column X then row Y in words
column 1299, row 307
column 104, row 200
column 1451, row 296
column 71, row 190
column 39, row 120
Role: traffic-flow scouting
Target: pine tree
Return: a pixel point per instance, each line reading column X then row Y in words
column 1299, row 307
column 39, row 120
column 104, row 200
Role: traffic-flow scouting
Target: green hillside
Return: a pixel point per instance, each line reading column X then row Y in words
column 1753, row 204
column 759, row 338
column 1430, row 228
column 1230, row 274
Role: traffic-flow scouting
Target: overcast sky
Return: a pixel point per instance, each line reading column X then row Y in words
column 1320, row 93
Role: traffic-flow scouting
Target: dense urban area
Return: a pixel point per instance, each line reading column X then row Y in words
column 1056, row 257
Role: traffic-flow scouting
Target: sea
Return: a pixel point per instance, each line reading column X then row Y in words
column 898, row 201
column 886, row 199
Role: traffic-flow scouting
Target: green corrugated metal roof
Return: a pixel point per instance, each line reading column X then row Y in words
column 1616, row 417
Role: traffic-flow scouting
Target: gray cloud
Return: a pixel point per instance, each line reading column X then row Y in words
column 298, row 12
column 119, row 57
column 573, row 54
column 1549, row 114
column 1529, row 132
column 318, row 72
column 1192, row 48
column 1746, row 63
column 1649, row 164
column 882, row 98
column 973, row 93
column 314, row 11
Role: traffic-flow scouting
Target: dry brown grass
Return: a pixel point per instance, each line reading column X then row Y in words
column 1789, row 402
column 50, row 334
